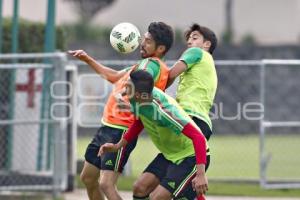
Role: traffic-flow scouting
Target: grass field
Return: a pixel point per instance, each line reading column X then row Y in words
column 233, row 157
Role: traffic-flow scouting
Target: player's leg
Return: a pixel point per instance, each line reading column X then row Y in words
column 160, row 193
column 187, row 192
column 178, row 176
column 150, row 178
column 108, row 183
column 144, row 185
column 112, row 164
column 91, row 171
column 90, row 176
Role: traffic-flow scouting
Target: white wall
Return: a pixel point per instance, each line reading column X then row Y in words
column 270, row 21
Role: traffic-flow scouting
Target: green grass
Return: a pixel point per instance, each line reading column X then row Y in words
column 235, row 157
column 221, row 189
column 228, row 156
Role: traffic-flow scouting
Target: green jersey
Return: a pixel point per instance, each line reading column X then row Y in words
column 164, row 120
column 198, row 84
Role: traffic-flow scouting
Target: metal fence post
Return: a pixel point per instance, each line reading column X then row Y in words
column 262, row 127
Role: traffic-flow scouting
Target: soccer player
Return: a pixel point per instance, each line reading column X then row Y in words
column 181, row 163
column 155, row 44
column 196, row 89
column 198, row 77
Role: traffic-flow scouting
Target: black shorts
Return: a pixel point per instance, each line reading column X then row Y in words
column 109, row 161
column 203, row 126
column 176, row 178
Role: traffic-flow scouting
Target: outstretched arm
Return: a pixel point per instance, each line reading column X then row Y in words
column 107, row 73
column 131, row 134
column 187, row 60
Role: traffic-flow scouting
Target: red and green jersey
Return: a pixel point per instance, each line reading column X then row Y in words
column 164, row 120
column 198, row 84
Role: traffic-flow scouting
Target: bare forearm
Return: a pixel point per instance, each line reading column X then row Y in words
column 175, row 71
column 107, row 73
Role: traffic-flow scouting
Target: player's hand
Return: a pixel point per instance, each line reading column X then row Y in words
column 200, row 184
column 80, row 54
column 108, row 147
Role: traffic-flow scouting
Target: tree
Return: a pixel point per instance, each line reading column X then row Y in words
column 88, row 9
column 228, row 33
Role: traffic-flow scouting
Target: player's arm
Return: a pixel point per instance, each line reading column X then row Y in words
column 107, row 73
column 131, row 134
column 175, row 71
column 181, row 123
column 200, row 183
column 187, row 60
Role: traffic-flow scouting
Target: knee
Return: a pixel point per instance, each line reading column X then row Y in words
column 139, row 189
column 158, row 196
column 106, row 185
column 88, row 180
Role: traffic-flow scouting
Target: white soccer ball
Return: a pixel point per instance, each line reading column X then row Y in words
column 125, row 37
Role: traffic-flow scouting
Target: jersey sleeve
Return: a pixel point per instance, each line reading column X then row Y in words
column 151, row 66
column 191, row 56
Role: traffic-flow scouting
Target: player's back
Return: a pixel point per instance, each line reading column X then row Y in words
column 164, row 120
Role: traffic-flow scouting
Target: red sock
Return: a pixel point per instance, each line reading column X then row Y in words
column 201, row 197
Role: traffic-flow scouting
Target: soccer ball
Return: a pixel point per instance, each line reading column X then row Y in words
column 125, row 37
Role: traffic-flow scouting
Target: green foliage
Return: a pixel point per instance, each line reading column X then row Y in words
column 248, row 39
column 85, row 32
column 88, row 9
column 31, row 36
column 179, row 35
column 227, row 37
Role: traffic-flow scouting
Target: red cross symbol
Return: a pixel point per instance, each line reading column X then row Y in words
column 30, row 88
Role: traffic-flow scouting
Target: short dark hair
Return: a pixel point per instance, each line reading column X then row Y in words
column 207, row 34
column 162, row 34
column 142, row 81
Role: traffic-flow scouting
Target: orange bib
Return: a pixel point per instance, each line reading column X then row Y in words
column 112, row 114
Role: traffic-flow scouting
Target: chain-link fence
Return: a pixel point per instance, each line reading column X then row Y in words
column 280, row 126
column 33, row 122
column 242, row 100
column 37, row 99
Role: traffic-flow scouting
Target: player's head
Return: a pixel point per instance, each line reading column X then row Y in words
column 140, row 86
column 157, row 40
column 201, row 36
